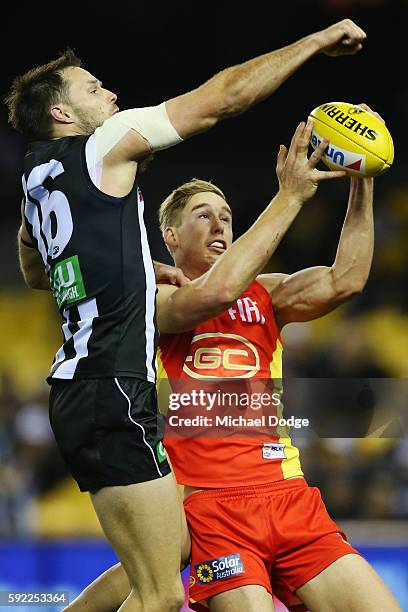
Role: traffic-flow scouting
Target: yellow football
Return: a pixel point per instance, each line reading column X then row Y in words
column 359, row 142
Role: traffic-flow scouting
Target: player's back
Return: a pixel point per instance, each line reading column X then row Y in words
column 235, row 358
column 95, row 250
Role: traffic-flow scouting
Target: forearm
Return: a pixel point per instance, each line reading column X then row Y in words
column 31, row 266
column 237, row 88
column 248, row 255
column 355, row 250
column 253, row 81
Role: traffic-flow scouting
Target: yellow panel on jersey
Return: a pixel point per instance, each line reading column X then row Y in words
column 291, row 465
column 276, row 363
column 162, row 384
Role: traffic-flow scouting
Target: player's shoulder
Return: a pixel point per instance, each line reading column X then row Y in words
column 271, row 281
column 56, row 144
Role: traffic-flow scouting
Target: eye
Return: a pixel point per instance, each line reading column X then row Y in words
column 225, row 219
column 94, row 91
column 204, row 215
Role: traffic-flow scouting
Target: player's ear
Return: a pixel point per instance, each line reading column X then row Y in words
column 61, row 114
column 170, row 238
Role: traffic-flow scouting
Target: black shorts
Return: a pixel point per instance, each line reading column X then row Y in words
column 109, row 431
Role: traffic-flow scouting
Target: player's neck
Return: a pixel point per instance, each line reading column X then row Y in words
column 192, row 271
column 66, row 130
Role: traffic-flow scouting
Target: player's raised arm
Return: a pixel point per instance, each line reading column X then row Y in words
column 228, row 93
column 314, row 292
column 236, row 89
column 215, row 290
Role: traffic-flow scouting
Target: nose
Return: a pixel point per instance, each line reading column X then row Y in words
column 218, row 226
column 112, row 97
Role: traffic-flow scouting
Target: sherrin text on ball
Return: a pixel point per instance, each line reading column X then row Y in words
column 359, row 142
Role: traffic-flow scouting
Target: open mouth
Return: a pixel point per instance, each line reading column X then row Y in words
column 218, row 245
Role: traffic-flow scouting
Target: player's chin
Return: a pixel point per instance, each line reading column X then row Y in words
column 213, row 257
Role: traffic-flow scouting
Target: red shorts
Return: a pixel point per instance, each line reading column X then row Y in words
column 277, row 535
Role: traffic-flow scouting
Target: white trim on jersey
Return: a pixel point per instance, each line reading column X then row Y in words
column 139, row 425
column 94, row 166
column 88, row 311
column 150, row 293
column 60, row 356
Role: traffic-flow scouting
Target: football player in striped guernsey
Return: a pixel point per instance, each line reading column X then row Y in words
column 83, row 235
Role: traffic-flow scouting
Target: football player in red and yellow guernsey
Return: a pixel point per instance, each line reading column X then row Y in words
column 257, row 528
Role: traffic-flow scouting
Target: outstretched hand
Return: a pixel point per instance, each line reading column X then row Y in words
column 342, row 38
column 297, row 174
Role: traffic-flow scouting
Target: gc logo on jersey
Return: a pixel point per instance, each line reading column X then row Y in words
column 219, row 569
column 216, row 355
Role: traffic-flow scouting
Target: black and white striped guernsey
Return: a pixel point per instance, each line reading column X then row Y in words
column 96, row 253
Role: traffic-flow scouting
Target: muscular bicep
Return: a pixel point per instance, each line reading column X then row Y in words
column 305, row 295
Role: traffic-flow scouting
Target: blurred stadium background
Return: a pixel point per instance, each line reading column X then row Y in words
column 49, row 536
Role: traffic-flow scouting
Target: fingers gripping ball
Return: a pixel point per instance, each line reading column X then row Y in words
column 359, row 141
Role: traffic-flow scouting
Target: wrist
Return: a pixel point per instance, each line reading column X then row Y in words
column 314, row 43
column 360, row 183
column 290, row 198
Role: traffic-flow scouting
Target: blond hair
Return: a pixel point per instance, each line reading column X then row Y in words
column 172, row 207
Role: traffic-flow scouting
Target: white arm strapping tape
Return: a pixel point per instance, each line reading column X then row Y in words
column 151, row 122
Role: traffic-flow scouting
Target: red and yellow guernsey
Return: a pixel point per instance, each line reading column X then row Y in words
column 241, row 345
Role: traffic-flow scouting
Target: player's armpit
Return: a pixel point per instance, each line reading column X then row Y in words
column 271, row 281
column 308, row 294
column 125, row 146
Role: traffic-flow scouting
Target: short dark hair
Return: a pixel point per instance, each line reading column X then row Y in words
column 32, row 94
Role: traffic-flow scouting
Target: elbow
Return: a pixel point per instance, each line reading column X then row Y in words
column 348, row 287
column 225, row 297
column 214, row 291
column 35, row 282
column 28, row 280
column 31, row 283
column 350, row 291
column 236, row 98
column 216, row 300
column 236, row 102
